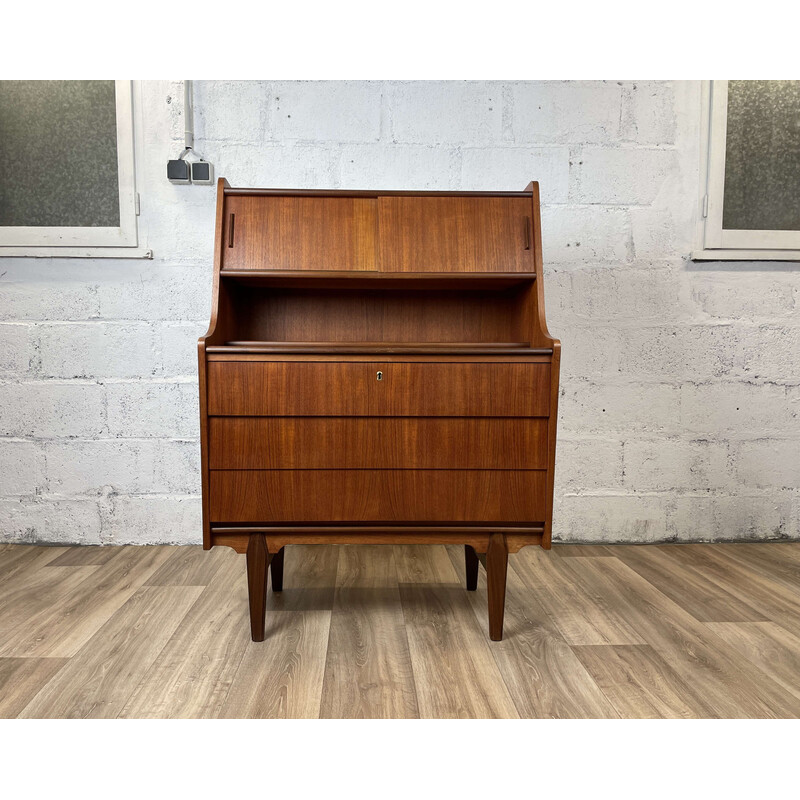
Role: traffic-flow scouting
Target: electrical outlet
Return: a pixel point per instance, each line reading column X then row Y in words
column 178, row 171
column 202, row 172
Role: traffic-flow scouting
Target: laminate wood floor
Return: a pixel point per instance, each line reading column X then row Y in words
column 378, row 631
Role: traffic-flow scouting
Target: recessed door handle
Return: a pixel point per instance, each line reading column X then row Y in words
column 230, row 230
column 527, row 233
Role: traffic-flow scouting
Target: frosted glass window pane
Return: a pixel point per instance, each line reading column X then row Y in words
column 762, row 156
column 58, row 154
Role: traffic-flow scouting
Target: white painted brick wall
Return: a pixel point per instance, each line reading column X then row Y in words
column 621, row 176
column 313, row 111
column 648, row 116
column 402, row 167
column 500, row 169
column 22, row 465
column 580, row 235
column 51, row 519
column 436, row 113
column 97, row 350
column 622, row 407
column 680, row 401
column 666, row 465
column 168, row 409
column 43, row 409
column 769, row 463
column 575, row 112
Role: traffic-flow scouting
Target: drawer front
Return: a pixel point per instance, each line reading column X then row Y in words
column 289, row 388
column 299, row 233
column 377, row 443
column 405, row 389
column 465, row 389
column 261, row 496
column 455, row 234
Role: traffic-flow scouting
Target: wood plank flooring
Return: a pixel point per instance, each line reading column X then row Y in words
column 632, row 631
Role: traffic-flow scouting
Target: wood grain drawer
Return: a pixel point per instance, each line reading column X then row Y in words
column 377, row 443
column 260, row 496
column 406, row 389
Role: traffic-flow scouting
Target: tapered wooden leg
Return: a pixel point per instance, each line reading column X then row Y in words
column 471, row 561
column 276, row 568
column 257, row 560
column 496, row 568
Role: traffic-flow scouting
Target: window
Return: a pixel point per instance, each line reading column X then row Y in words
column 750, row 206
column 67, row 165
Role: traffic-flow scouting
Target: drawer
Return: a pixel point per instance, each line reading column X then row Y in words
column 481, row 389
column 290, row 388
column 377, row 443
column 343, row 495
column 406, row 389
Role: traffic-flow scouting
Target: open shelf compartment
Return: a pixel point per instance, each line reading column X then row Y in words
column 320, row 314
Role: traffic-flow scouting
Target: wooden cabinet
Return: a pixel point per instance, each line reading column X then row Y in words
column 377, row 369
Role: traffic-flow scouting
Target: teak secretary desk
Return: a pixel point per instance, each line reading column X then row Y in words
column 378, row 370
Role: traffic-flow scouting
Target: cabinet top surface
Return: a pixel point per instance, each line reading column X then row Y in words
column 238, row 192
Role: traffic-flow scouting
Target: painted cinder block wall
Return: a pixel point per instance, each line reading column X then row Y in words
column 680, row 405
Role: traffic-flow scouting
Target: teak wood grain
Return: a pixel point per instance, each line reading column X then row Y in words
column 377, row 359
column 378, row 443
column 398, row 389
column 377, row 314
column 298, row 233
column 455, row 234
column 405, row 495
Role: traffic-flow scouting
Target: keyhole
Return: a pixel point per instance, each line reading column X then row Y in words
column 380, row 376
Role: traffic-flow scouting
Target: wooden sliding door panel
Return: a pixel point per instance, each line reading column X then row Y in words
column 455, row 234
column 377, row 443
column 395, row 389
column 434, row 496
column 299, row 233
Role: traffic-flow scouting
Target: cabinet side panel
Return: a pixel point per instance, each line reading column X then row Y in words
column 552, row 431
column 540, row 335
column 204, row 442
column 202, row 365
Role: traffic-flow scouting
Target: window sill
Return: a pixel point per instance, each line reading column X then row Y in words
column 745, row 255
column 75, row 252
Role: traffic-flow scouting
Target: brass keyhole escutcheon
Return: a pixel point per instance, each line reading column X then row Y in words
column 379, row 376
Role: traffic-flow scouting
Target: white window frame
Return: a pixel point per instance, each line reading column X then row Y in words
column 93, row 242
column 712, row 241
